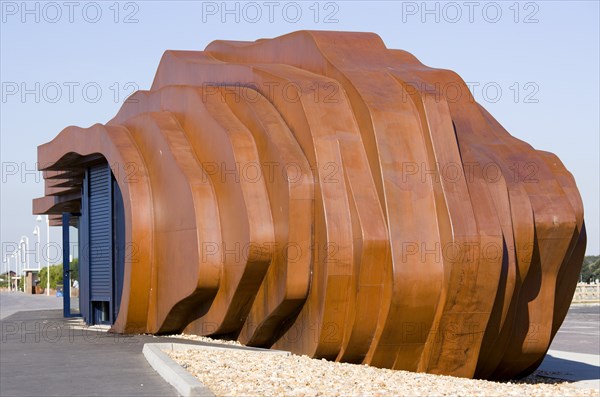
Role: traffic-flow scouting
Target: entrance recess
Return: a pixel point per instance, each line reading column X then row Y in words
column 101, row 246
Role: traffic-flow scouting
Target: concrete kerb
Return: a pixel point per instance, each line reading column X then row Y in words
column 185, row 383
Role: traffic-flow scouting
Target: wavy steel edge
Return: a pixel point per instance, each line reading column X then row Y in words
column 347, row 259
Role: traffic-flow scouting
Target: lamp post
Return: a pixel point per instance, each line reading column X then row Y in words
column 15, row 255
column 6, row 263
column 10, row 280
column 9, row 276
column 39, row 219
column 19, row 259
column 25, row 243
column 7, row 258
column 25, row 259
column 36, row 232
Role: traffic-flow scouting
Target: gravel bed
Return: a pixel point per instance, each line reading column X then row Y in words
column 248, row 373
column 204, row 339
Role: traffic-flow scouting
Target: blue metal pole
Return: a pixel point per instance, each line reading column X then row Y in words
column 66, row 219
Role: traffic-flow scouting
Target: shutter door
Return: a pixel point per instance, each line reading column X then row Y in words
column 100, row 229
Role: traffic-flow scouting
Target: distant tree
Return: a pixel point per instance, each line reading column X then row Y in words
column 590, row 270
column 6, row 279
column 595, row 270
column 56, row 274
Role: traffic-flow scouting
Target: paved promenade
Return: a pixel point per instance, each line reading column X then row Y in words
column 41, row 355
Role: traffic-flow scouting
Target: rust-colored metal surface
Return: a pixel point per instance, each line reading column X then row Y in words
column 322, row 194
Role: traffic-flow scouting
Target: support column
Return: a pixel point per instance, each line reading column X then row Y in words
column 66, row 219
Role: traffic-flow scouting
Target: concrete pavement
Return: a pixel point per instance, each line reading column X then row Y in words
column 581, row 369
column 42, row 355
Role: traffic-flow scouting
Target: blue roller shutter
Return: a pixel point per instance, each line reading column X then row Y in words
column 100, row 233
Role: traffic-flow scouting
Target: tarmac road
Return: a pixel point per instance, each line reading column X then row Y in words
column 13, row 302
column 580, row 332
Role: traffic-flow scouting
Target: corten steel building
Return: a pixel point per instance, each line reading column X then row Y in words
column 322, row 194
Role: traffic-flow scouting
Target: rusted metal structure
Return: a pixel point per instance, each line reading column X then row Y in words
column 322, row 194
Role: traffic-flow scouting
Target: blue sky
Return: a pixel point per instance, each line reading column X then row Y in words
column 533, row 65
